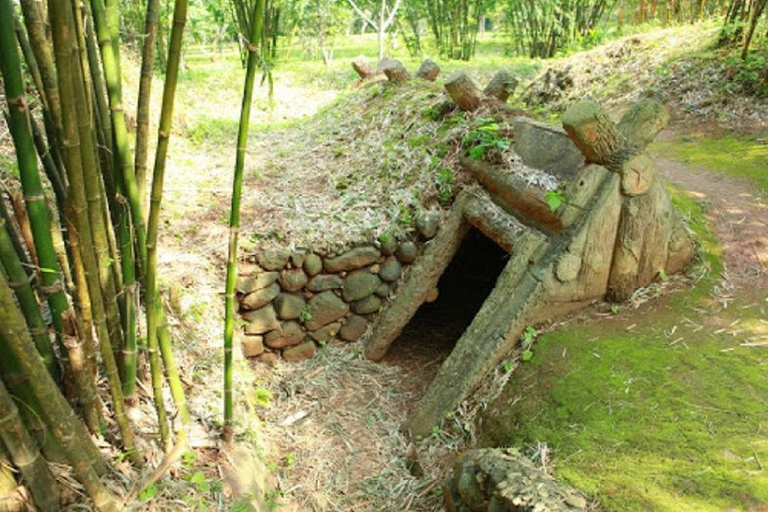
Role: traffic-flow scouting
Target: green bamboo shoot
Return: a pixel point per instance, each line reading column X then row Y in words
column 234, row 214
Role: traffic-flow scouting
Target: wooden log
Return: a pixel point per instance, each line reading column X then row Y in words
column 501, row 86
column 493, row 221
column 363, row 68
column 637, row 174
column 394, row 71
column 580, row 191
column 513, row 194
column 642, row 241
column 422, row 278
column 594, row 133
column 582, row 269
column 463, row 90
column 428, row 70
column 643, row 122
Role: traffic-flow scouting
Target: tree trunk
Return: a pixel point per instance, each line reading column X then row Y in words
column 463, row 90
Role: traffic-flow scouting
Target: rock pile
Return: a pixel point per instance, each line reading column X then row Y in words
column 293, row 301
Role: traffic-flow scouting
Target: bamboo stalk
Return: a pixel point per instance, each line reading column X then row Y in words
column 15, row 236
column 130, row 299
column 234, row 214
column 164, row 132
column 58, row 415
column 19, row 282
column 29, row 407
column 145, row 94
column 124, row 169
column 35, row 199
column 97, row 208
column 41, row 46
column 171, row 369
column 26, row 456
column 81, row 176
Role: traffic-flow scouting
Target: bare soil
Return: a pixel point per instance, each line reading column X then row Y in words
column 739, row 214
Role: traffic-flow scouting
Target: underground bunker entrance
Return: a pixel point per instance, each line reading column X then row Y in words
column 427, row 340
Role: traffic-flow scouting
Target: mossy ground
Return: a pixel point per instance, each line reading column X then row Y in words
column 732, row 154
column 661, row 408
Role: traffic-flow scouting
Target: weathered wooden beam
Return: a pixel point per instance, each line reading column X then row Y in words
column 513, row 194
column 643, row 122
column 594, row 133
column 422, row 278
column 642, row 242
column 493, row 221
column 363, row 68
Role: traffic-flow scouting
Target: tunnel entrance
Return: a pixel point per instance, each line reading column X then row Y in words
column 427, row 340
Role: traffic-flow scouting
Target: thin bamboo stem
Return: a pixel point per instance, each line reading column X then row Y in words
column 234, row 214
column 19, row 282
column 145, row 94
column 164, row 132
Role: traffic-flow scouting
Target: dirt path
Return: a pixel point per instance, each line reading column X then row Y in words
column 739, row 213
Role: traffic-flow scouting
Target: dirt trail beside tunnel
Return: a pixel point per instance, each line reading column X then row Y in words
column 737, row 211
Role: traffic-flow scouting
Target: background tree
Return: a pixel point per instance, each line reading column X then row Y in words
column 384, row 17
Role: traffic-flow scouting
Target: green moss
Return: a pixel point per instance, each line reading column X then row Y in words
column 735, row 155
column 660, row 409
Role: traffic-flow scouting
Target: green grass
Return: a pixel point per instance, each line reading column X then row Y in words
column 654, row 410
column 734, row 155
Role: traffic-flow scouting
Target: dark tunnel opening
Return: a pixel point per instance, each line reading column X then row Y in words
column 432, row 333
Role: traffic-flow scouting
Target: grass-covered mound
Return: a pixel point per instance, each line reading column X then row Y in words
column 367, row 163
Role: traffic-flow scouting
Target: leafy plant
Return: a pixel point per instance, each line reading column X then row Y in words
column 148, row 493
column 528, row 337
column 484, row 138
column 305, row 315
column 445, row 181
column 264, row 397
column 554, row 199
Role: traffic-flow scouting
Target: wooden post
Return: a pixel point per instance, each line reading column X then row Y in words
column 501, row 86
column 363, row 68
column 463, row 90
column 428, row 70
column 394, row 70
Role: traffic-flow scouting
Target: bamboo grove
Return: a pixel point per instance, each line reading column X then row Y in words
column 78, row 280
